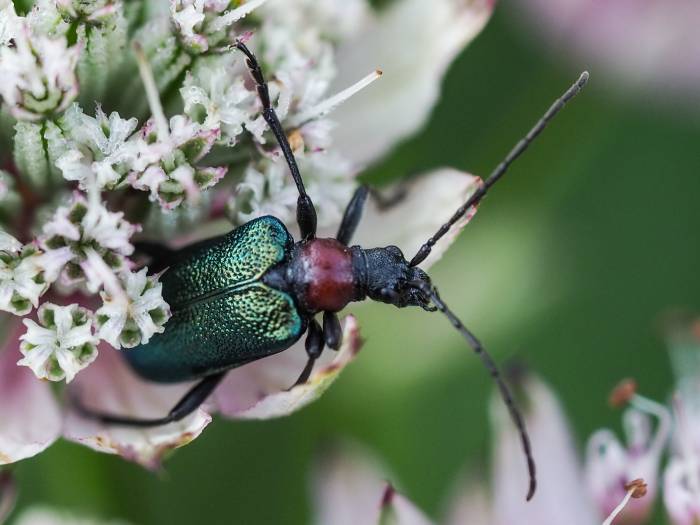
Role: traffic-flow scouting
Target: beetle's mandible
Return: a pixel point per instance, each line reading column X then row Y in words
column 255, row 291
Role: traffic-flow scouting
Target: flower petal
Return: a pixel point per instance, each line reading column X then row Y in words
column 470, row 504
column 8, row 494
column 397, row 510
column 605, row 35
column 347, row 486
column 409, row 223
column 30, row 419
column 109, row 385
column 559, row 497
column 414, row 41
column 259, row 390
column 682, row 490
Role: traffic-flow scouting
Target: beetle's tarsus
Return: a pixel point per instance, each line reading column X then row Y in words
column 305, row 374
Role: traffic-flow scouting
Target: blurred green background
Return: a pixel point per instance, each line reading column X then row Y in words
column 567, row 268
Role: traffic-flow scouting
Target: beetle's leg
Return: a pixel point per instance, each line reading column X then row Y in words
column 314, row 347
column 306, row 213
column 161, row 256
column 332, row 331
column 352, row 215
column 192, row 400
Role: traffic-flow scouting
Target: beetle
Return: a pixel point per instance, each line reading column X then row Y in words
column 255, row 291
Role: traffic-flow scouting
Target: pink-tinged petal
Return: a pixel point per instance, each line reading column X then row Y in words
column 606, row 35
column 610, row 465
column 413, row 42
column 470, row 504
column 109, row 385
column 8, row 495
column 397, row 510
column 560, row 497
column 40, row 515
column 259, row 390
column 30, row 419
column 682, row 490
column 409, row 223
column 347, row 486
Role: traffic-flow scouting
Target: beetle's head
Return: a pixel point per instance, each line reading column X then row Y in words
column 392, row 280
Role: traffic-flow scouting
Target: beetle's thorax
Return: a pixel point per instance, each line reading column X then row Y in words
column 324, row 276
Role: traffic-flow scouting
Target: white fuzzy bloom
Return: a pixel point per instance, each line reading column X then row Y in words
column 201, row 24
column 91, row 11
column 8, row 22
column 83, row 226
column 132, row 314
column 25, row 275
column 267, row 188
column 38, row 72
column 62, row 345
column 216, row 91
column 96, row 145
column 8, row 243
column 166, row 166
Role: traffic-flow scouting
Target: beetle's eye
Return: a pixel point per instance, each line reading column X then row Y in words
column 389, row 294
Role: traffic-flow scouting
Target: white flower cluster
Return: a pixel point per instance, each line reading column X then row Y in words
column 38, row 70
column 83, row 174
column 202, row 24
column 61, row 345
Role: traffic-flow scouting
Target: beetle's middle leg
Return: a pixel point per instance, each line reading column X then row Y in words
column 192, row 400
column 331, row 335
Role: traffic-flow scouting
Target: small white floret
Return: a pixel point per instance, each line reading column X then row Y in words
column 62, row 345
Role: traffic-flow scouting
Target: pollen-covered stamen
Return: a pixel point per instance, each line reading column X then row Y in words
column 611, row 463
column 626, row 393
column 635, row 489
column 326, row 106
column 623, row 393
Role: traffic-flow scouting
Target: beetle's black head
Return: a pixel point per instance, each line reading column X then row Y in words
column 391, row 279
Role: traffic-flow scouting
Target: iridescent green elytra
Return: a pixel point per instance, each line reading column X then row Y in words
column 223, row 314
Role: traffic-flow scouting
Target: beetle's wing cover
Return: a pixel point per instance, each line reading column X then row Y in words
column 227, row 331
column 236, row 259
column 223, row 315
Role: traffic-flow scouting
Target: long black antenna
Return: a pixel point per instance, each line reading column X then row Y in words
column 306, row 213
column 492, row 368
column 497, row 173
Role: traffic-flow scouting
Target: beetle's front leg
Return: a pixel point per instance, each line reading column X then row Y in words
column 192, row 400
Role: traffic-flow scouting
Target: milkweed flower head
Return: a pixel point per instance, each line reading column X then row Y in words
column 124, row 122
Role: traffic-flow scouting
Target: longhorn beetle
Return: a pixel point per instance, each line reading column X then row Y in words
column 254, row 292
